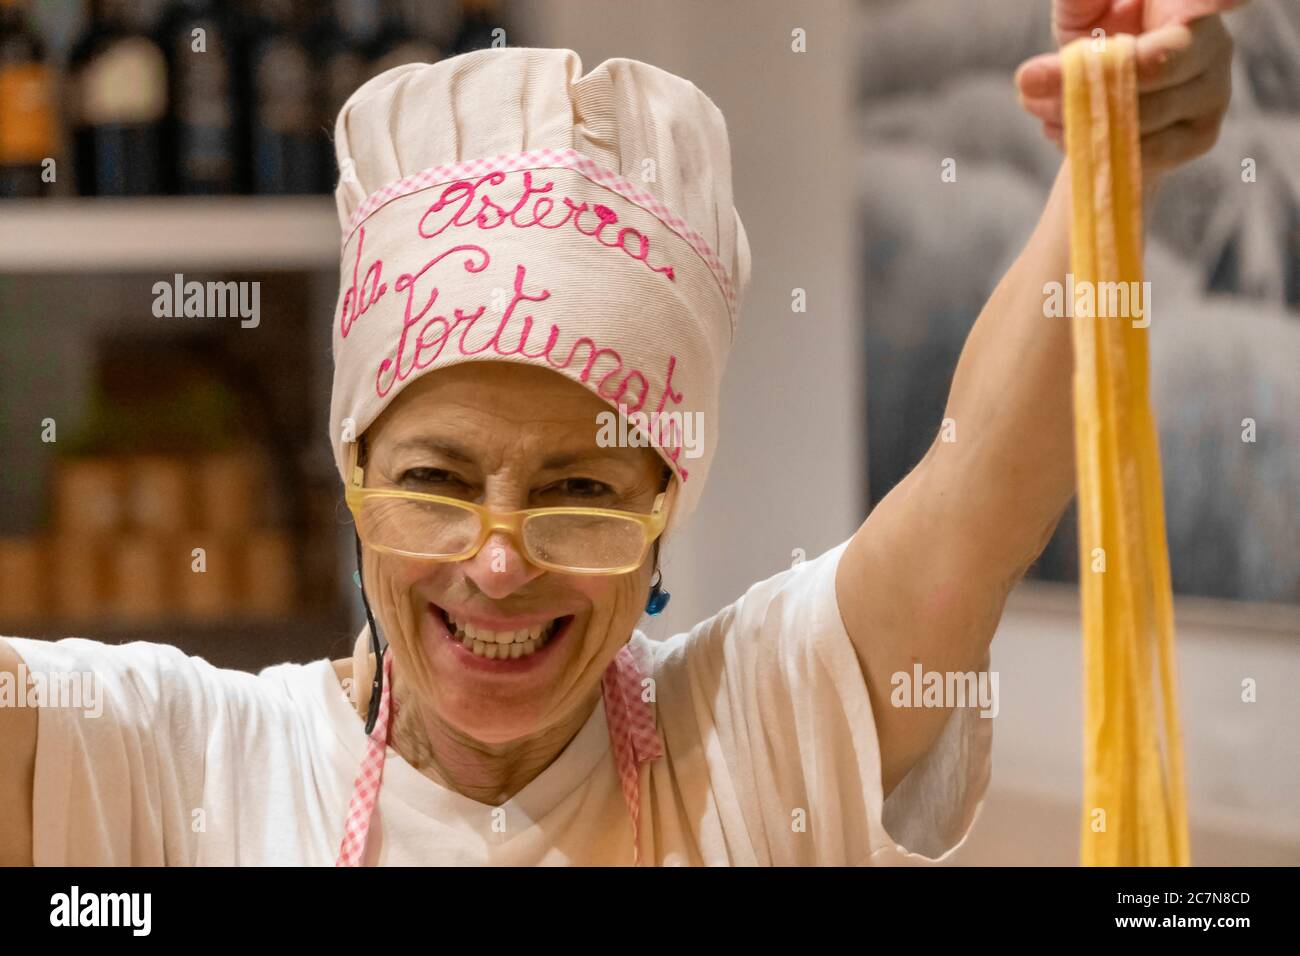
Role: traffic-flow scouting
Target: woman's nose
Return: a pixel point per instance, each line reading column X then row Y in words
column 500, row 567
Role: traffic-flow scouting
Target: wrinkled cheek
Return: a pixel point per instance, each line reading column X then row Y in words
column 630, row 598
column 615, row 613
column 398, row 609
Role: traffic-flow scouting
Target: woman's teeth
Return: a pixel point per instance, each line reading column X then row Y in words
column 499, row 645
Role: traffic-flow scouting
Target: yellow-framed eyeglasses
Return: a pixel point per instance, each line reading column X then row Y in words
column 413, row 524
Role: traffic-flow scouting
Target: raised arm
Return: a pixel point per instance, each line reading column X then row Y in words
column 925, row 578
column 17, row 763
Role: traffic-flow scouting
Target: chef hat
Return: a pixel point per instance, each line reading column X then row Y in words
column 502, row 206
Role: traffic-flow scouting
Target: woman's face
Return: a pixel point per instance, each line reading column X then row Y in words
column 509, row 436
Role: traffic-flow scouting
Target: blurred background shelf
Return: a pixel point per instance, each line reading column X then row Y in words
column 169, row 233
column 167, row 463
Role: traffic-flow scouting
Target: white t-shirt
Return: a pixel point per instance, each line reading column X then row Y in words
column 770, row 758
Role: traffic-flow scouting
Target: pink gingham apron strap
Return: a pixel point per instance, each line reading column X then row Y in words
column 365, row 794
column 632, row 734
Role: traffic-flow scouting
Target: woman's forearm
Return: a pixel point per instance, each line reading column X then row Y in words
column 1009, row 473
column 925, row 578
column 1005, row 461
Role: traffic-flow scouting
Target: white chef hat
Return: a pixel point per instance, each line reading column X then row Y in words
column 501, row 205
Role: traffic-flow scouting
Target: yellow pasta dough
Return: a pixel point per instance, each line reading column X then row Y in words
column 1134, row 811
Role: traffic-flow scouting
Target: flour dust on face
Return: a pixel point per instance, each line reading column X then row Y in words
column 497, row 649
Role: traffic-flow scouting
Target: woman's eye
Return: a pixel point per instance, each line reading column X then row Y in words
column 423, row 478
column 580, row 488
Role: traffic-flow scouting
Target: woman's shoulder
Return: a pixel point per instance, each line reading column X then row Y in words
column 143, row 676
column 801, row 596
column 142, row 656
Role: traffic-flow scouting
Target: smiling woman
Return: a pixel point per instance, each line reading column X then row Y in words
column 500, row 705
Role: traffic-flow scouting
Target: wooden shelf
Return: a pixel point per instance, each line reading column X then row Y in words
column 168, row 233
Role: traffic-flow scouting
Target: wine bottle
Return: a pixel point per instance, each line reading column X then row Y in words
column 340, row 67
column 119, row 101
column 396, row 43
column 26, row 105
column 208, row 121
column 285, row 149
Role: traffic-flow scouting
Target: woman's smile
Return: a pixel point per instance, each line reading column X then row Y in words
column 499, row 644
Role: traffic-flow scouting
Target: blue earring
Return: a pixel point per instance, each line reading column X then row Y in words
column 658, row 596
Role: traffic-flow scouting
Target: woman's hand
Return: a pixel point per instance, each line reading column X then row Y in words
column 1184, row 63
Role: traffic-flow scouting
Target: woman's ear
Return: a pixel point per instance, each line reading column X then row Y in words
column 363, row 673
column 671, row 486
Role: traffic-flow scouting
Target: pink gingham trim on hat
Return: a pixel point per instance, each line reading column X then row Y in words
column 548, row 159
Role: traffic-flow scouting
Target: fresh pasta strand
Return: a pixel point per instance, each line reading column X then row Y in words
column 1134, row 809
